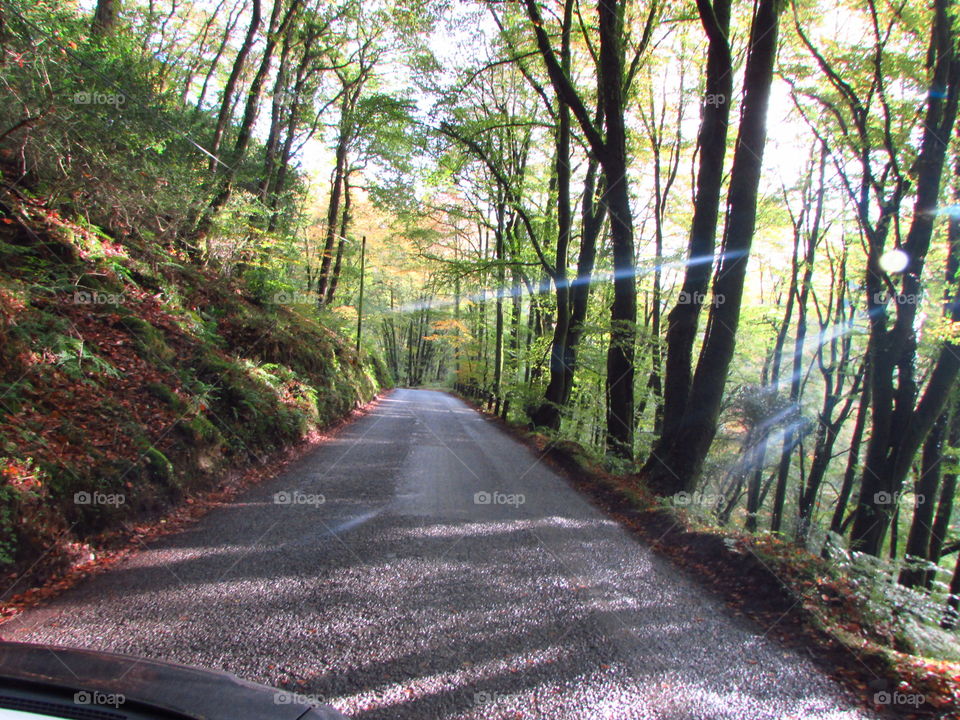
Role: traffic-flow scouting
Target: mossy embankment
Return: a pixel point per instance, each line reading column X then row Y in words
column 131, row 379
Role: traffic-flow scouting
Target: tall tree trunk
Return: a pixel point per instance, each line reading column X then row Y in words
column 834, row 375
column 278, row 106
column 755, row 497
column 941, row 522
column 502, row 229
column 333, row 211
column 663, row 180
column 952, row 611
column 254, row 95
column 516, row 333
column 683, row 319
column 341, row 244
column 611, row 152
column 623, row 312
column 828, row 430
column 563, row 366
column 791, row 435
column 679, row 457
column 251, row 110
column 548, row 414
column 780, row 490
column 837, row 522
column 351, row 91
column 201, row 43
column 215, row 62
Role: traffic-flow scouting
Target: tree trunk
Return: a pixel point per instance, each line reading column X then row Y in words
column 754, row 496
column 563, row 367
column 215, row 62
column 792, row 434
column 780, row 489
column 251, row 110
column 678, row 459
column 925, row 488
column 104, row 18
column 623, row 312
column 498, row 311
column 333, row 211
column 548, row 414
column 230, row 89
column 344, row 224
column 612, row 155
column 951, row 613
column 834, row 379
column 941, row 523
column 278, row 106
column 252, row 107
column 760, row 451
column 899, row 424
column 683, row 319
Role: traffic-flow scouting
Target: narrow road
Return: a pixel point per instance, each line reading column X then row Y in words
column 423, row 564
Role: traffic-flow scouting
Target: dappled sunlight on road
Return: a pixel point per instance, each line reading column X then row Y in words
column 431, row 567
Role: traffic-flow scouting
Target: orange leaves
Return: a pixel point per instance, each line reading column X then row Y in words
column 20, row 474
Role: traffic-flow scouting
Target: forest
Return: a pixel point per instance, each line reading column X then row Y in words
column 712, row 245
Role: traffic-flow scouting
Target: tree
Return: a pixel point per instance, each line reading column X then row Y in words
column 230, row 89
column 683, row 319
column 352, row 81
column 678, row 456
column 104, row 18
column 899, row 422
column 610, row 148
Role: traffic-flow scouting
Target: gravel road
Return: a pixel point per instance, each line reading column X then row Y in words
column 423, row 564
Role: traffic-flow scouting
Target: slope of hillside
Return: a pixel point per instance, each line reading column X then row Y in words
column 130, row 381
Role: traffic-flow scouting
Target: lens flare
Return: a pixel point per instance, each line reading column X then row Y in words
column 894, row 261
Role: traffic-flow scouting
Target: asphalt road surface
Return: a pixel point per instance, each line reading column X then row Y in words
column 423, row 564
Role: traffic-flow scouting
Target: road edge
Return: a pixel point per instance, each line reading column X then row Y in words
column 756, row 594
column 130, row 540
